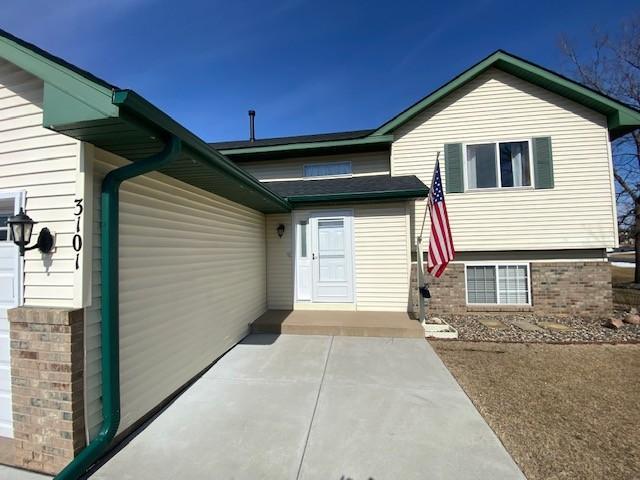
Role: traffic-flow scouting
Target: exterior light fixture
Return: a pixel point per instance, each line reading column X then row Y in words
column 280, row 230
column 21, row 226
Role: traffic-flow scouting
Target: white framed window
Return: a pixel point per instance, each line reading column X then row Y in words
column 333, row 169
column 505, row 164
column 498, row 284
column 6, row 210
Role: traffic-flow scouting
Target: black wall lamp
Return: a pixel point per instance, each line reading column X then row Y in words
column 280, row 230
column 21, row 226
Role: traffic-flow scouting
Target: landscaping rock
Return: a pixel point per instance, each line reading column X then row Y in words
column 555, row 326
column 632, row 319
column 614, row 323
column 528, row 326
column 473, row 327
column 495, row 324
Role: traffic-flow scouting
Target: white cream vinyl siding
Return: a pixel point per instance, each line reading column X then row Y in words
column 192, row 279
column 292, row 168
column 382, row 258
column 578, row 213
column 44, row 165
column 279, row 262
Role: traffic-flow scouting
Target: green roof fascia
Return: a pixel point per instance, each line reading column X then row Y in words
column 147, row 113
column 67, row 93
column 83, row 106
column 620, row 118
column 309, row 146
column 359, row 196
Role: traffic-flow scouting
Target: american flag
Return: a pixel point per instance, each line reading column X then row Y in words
column 441, row 250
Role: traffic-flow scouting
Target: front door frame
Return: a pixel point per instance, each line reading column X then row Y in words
column 307, row 214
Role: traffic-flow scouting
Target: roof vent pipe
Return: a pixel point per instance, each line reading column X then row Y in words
column 252, row 127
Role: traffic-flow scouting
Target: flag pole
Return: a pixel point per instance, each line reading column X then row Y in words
column 420, row 270
column 420, row 262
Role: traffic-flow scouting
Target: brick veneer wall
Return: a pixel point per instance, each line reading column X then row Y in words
column 47, row 386
column 557, row 288
column 578, row 288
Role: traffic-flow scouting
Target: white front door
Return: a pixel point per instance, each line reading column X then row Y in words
column 9, row 298
column 331, row 257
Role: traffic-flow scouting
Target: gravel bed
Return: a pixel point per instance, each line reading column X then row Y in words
column 584, row 331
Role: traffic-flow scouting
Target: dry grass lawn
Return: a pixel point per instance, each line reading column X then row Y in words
column 562, row 411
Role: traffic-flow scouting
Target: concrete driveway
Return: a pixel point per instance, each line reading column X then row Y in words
column 316, row 407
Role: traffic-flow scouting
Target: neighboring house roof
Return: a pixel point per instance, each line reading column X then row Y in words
column 621, row 118
column 87, row 108
column 370, row 187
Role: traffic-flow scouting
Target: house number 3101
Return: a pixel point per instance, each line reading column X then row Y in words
column 77, row 238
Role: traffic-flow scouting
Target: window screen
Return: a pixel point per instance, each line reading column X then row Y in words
column 499, row 284
column 513, row 284
column 481, row 284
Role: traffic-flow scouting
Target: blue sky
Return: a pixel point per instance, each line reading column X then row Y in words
column 305, row 67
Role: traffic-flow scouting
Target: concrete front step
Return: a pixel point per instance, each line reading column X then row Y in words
column 338, row 323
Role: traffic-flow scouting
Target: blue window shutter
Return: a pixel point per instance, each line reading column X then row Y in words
column 454, row 175
column 542, row 162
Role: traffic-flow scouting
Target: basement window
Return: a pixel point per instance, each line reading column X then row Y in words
column 324, row 170
column 499, row 284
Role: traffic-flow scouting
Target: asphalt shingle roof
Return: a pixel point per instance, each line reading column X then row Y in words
column 372, row 184
column 269, row 142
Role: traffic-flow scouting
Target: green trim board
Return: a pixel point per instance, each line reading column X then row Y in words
column 621, row 118
column 68, row 91
column 359, row 196
column 236, row 184
column 358, row 144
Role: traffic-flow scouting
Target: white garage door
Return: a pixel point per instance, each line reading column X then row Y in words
column 9, row 297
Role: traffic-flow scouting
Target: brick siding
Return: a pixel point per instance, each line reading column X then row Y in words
column 47, row 387
column 557, row 289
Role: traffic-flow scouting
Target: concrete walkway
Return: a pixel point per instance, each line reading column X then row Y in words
column 10, row 473
column 318, row 407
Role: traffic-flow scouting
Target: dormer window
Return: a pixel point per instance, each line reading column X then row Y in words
column 324, row 170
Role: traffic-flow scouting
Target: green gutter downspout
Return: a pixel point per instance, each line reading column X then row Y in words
column 110, row 341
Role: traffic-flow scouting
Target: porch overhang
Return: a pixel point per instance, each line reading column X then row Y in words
column 353, row 189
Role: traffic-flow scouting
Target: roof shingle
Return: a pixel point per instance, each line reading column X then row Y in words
column 358, row 188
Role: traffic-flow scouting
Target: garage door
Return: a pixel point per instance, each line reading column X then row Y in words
column 9, row 297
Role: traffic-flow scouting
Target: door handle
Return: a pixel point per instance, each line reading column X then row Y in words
column 313, row 256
